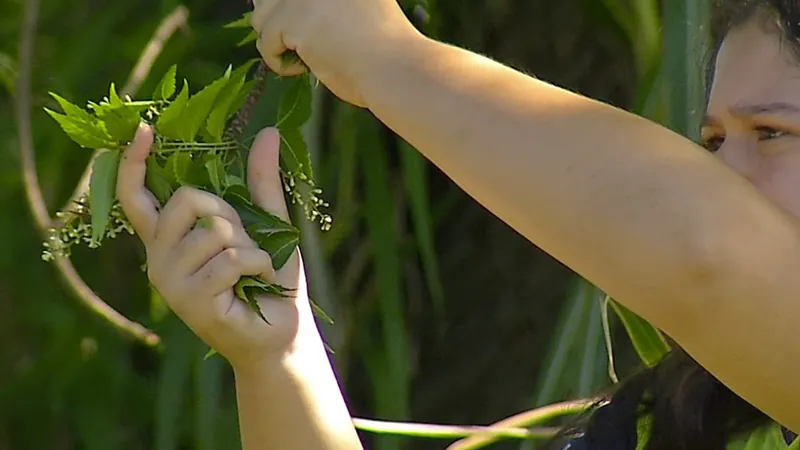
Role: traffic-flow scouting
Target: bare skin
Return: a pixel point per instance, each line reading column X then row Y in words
column 707, row 248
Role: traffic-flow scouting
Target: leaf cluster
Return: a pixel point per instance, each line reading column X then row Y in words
column 193, row 146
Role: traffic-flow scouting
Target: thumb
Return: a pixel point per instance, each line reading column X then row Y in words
column 263, row 173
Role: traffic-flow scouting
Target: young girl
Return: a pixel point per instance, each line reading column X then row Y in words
column 704, row 243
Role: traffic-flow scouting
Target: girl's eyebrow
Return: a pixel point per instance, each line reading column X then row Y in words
column 757, row 108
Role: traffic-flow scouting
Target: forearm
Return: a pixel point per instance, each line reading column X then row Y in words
column 584, row 181
column 296, row 404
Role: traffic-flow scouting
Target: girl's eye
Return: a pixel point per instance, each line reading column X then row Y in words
column 768, row 133
column 713, row 144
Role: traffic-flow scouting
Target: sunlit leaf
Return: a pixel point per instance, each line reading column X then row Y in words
column 170, row 121
column 71, row 109
column 199, row 106
column 166, row 87
column 84, row 133
column 223, row 107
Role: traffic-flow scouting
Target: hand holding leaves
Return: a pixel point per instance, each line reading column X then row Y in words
column 193, row 146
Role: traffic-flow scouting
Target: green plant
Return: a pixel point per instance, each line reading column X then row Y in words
column 198, row 142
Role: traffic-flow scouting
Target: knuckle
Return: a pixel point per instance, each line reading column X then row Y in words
column 183, row 194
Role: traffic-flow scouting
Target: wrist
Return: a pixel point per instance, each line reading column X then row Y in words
column 395, row 52
column 306, row 353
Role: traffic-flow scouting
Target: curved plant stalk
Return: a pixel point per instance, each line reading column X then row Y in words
column 528, row 419
column 36, row 203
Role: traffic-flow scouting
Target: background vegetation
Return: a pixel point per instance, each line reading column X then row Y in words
column 413, row 340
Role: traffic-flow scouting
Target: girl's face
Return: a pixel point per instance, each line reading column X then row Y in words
column 753, row 117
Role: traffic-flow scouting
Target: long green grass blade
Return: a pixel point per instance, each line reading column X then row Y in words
column 208, row 392
column 172, row 387
column 389, row 362
column 414, row 177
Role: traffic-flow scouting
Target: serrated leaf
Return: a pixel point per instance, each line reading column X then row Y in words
column 171, row 118
column 120, row 119
column 199, row 106
column 280, row 244
column 223, row 107
column 216, row 172
column 157, row 181
column 178, row 165
column 242, row 22
column 294, row 154
column 238, row 196
column 70, row 109
column 166, row 87
column 113, row 97
column 84, row 133
column 295, row 105
column 251, row 37
column 198, row 175
column 102, row 185
column 244, row 290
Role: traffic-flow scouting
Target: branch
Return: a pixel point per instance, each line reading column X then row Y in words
column 33, row 189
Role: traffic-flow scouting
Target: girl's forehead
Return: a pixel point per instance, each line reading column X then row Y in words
column 754, row 67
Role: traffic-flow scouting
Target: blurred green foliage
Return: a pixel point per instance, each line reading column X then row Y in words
column 443, row 313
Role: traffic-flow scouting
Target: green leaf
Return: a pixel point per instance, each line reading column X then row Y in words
column 171, row 118
column 279, row 243
column 295, row 157
column 223, row 108
column 102, row 185
column 120, row 119
column 238, row 196
column 233, row 180
column 157, row 181
column 70, row 109
column 252, row 36
column 178, row 166
column 320, row 313
column 295, row 106
column 647, row 340
column 216, row 172
column 166, row 87
column 199, row 107
column 242, row 22
column 85, row 133
column 113, row 98
column 244, row 291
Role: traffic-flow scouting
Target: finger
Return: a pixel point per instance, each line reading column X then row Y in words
column 226, row 268
column 205, row 242
column 137, row 202
column 182, row 212
column 271, row 44
column 263, row 173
